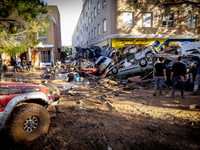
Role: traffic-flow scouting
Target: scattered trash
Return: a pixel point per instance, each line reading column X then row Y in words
column 78, row 92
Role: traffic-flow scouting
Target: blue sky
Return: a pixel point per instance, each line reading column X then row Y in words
column 69, row 13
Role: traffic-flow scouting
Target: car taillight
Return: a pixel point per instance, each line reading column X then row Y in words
column 48, row 93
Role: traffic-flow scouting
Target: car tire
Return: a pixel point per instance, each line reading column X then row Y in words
column 28, row 122
column 101, row 68
column 143, row 62
column 148, row 54
column 114, row 70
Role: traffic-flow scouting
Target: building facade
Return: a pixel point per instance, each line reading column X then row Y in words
column 119, row 23
column 49, row 49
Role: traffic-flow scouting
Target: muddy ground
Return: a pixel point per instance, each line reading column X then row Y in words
column 110, row 116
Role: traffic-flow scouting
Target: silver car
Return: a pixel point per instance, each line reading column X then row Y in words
column 131, row 67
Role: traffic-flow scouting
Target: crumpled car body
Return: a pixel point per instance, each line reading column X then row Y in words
column 192, row 48
column 102, row 63
column 130, row 67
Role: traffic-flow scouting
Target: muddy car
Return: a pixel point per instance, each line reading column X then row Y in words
column 102, row 63
column 131, row 67
column 105, row 60
column 192, row 49
column 23, row 109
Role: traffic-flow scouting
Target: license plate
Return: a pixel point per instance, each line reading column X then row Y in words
column 89, row 71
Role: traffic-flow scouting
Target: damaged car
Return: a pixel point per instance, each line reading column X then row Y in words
column 131, row 66
column 105, row 60
column 192, row 49
column 23, row 109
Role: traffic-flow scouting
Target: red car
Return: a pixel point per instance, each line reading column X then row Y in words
column 23, row 109
column 89, row 71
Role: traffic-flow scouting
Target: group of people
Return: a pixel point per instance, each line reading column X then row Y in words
column 20, row 64
column 178, row 73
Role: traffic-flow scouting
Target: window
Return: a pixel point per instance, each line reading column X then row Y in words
column 45, row 56
column 168, row 20
column 104, row 3
column 89, row 37
column 95, row 32
column 42, row 36
column 95, row 12
column 92, row 35
column 104, row 25
column 128, row 19
column 88, row 4
column 91, row 1
column 84, row 28
column 92, row 17
column 192, row 21
column 147, row 20
column 88, row 21
column 86, row 14
column 98, row 7
column 99, row 29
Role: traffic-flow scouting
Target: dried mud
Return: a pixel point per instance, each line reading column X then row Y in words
column 133, row 119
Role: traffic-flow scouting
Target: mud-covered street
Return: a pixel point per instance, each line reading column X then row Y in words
column 108, row 115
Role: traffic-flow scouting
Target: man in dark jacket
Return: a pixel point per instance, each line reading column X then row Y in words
column 14, row 63
column 159, row 72
column 178, row 73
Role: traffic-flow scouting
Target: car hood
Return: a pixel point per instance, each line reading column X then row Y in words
column 16, row 84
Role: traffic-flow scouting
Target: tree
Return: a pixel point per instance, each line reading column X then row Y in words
column 67, row 50
column 33, row 19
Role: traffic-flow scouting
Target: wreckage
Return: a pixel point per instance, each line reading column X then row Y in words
column 131, row 60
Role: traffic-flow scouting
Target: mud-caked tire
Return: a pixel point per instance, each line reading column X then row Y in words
column 28, row 122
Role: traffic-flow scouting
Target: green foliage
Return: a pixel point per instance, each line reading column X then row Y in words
column 34, row 15
column 63, row 54
column 14, row 50
column 67, row 49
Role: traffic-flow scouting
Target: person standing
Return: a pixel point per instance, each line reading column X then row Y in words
column 14, row 63
column 178, row 73
column 19, row 62
column 159, row 72
column 197, row 80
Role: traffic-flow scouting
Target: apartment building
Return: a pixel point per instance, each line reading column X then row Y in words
column 48, row 50
column 119, row 23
